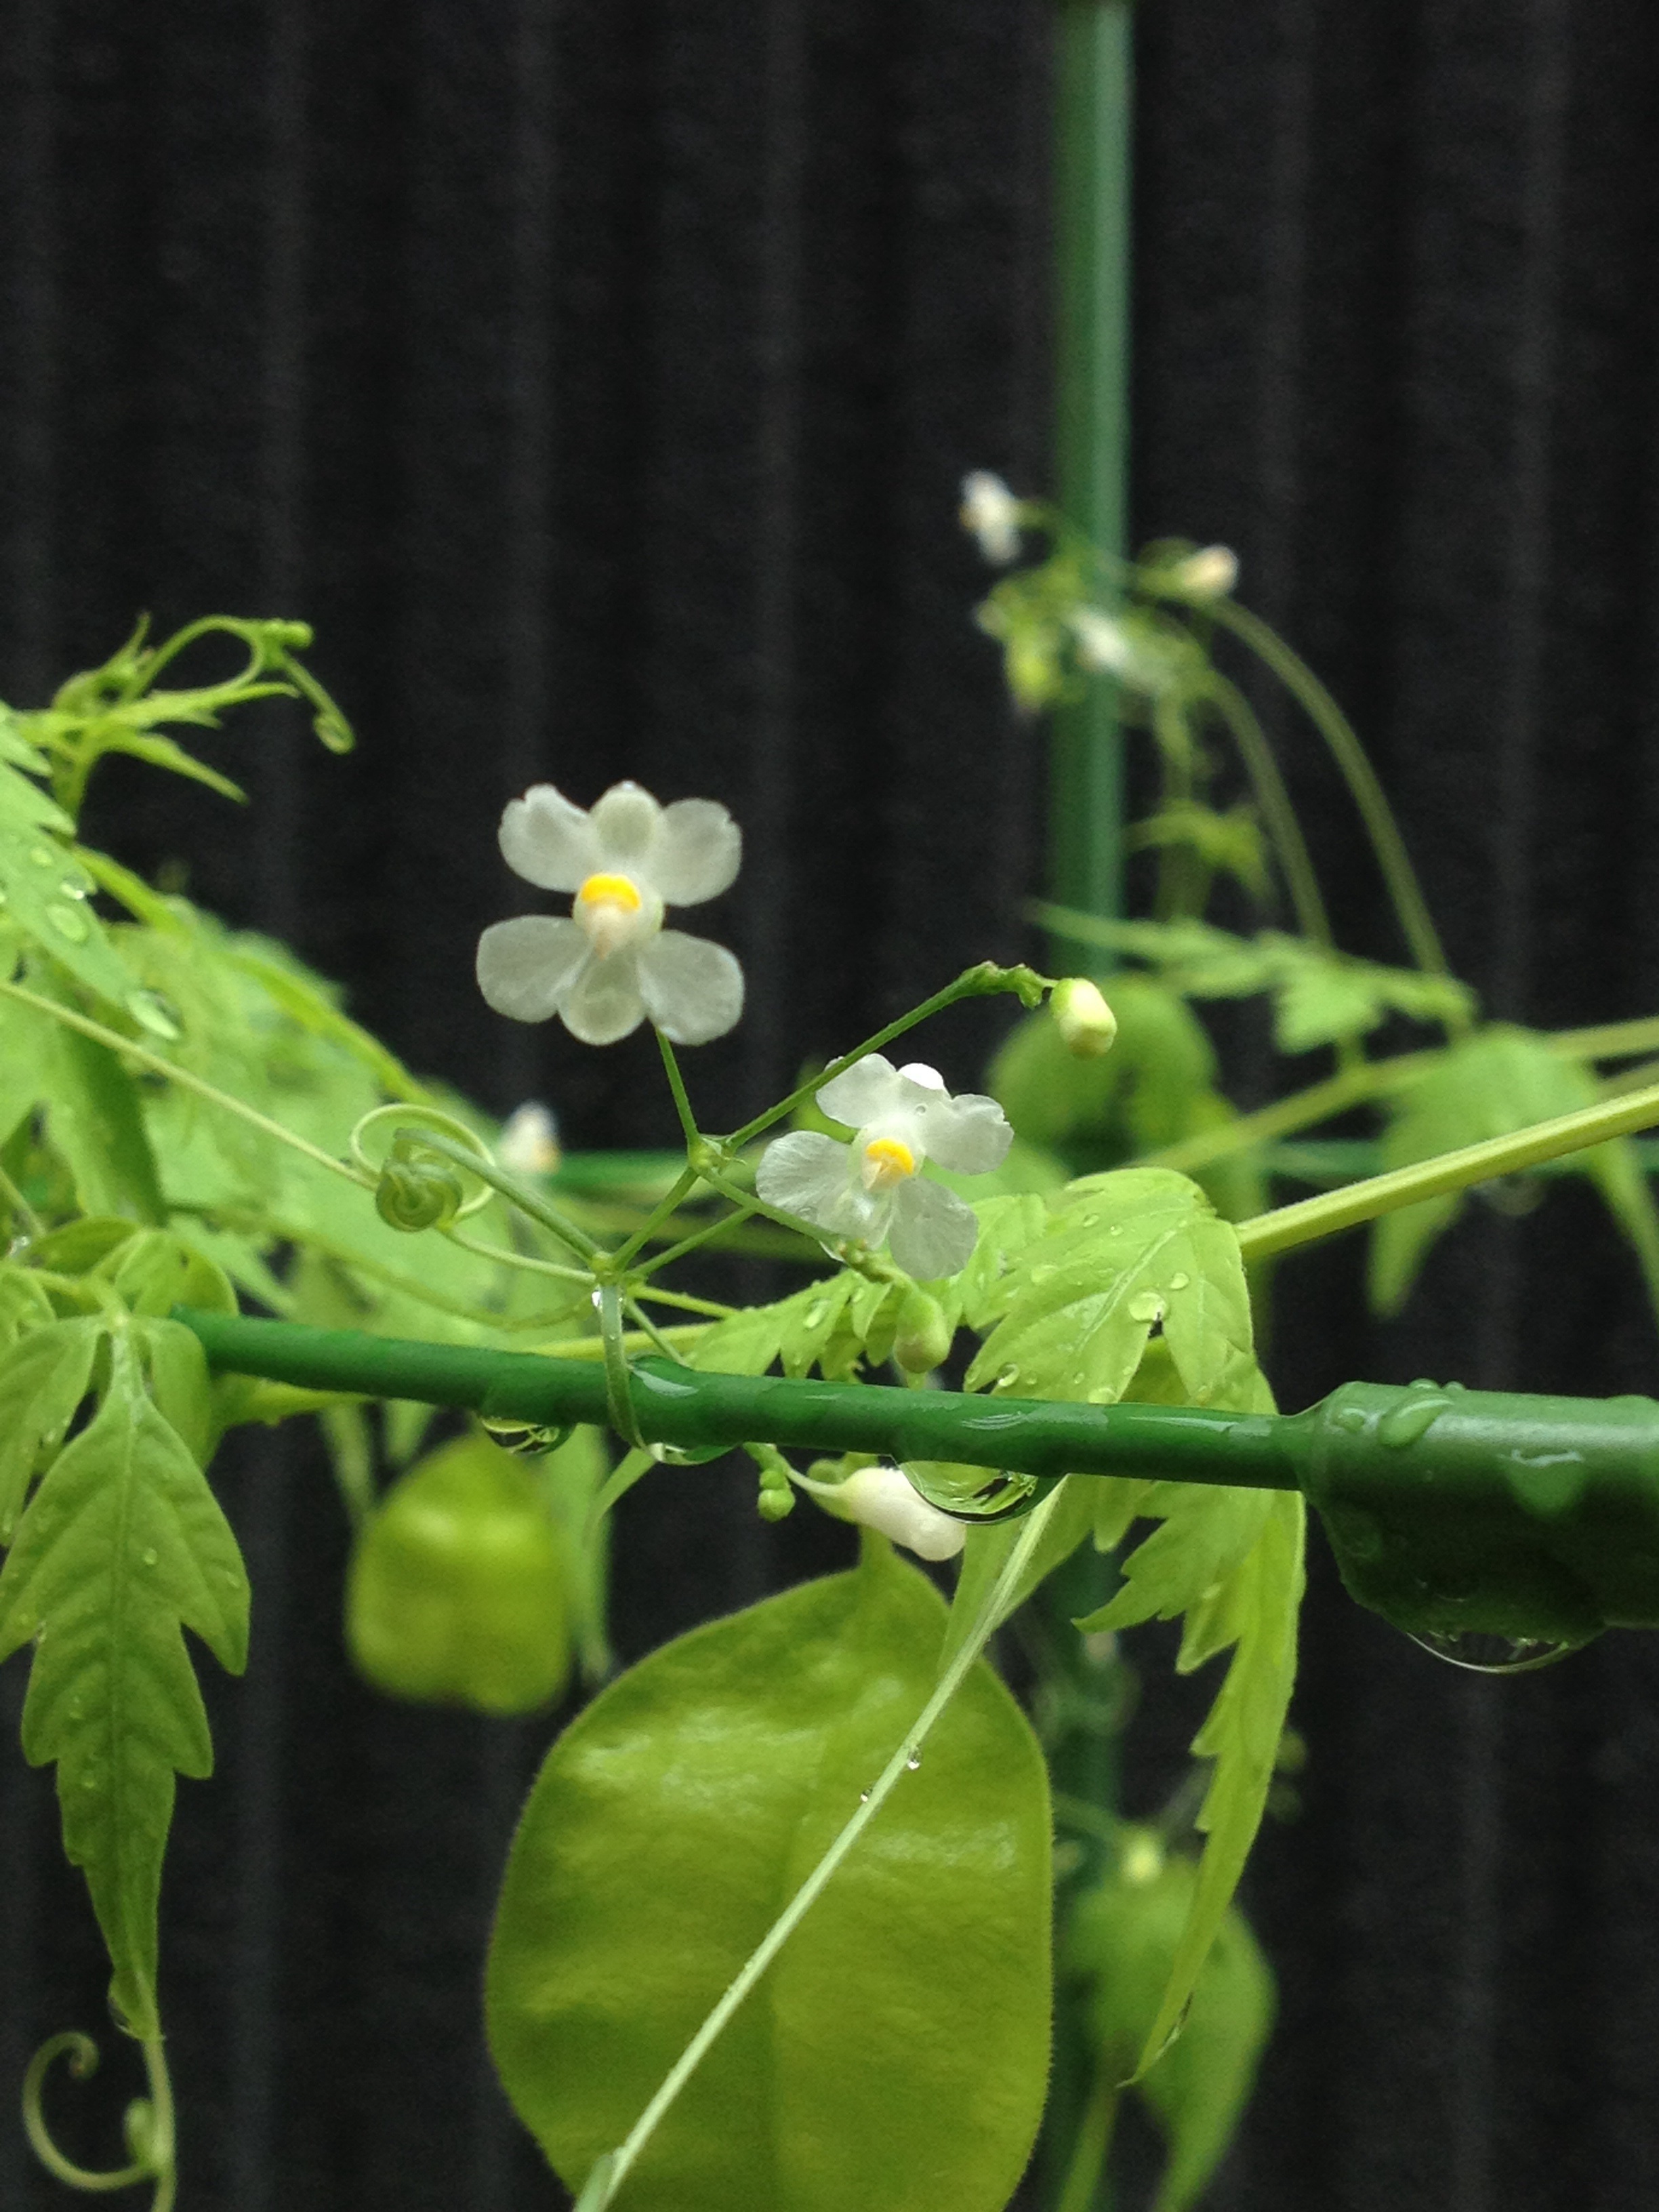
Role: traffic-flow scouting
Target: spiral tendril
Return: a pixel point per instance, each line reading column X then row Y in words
column 148, row 2126
column 416, row 1188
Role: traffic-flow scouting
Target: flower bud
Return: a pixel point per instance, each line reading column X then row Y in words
column 1209, row 573
column 1087, row 1025
column 529, row 1142
column 922, row 1339
column 882, row 1499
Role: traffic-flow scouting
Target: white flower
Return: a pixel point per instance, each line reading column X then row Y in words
column 990, row 513
column 882, row 1498
column 612, row 963
column 1209, row 573
column 874, row 1188
column 1102, row 644
column 529, row 1142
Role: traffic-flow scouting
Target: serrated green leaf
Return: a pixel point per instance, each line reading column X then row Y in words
column 1203, row 1535
column 162, row 752
column 1125, row 1252
column 1503, row 1079
column 94, row 1120
column 43, row 1379
column 1241, row 1734
column 811, row 1328
column 44, row 888
column 121, row 1549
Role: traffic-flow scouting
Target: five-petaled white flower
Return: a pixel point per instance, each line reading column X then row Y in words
column 874, row 1188
column 990, row 513
column 612, row 963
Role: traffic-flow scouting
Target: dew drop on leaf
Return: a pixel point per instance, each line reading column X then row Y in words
column 150, row 1558
column 914, row 1761
column 41, row 856
column 1146, row 1305
column 69, row 921
column 814, row 1315
column 150, row 1011
column 1179, row 1282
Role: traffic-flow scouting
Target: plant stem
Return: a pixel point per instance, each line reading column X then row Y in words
column 810, row 1891
column 1611, row 1041
column 527, row 1202
column 1311, row 1218
column 1294, row 859
column 663, row 1212
column 976, row 982
column 1320, row 1102
column 1094, row 2139
column 1360, row 776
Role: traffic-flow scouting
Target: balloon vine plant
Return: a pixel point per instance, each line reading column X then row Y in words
column 767, row 1875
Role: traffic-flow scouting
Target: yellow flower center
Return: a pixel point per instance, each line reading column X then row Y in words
column 887, row 1160
column 611, row 890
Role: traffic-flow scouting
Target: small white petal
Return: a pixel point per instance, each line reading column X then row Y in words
column 698, row 854
column 917, row 1071
column 547, row 841
column 804, row 1173
column 529, row 1142
column 693, row 989
column 882, row 1498
column 627, row 826
column 870, row 1088
column 933, row 1233
column 526, row 966
column 604, row 1002
column 992, row 514
column 968, row 1134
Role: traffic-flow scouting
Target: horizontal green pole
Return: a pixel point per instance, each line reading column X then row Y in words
column 685, row 1408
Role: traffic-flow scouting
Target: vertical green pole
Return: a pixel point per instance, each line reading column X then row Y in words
column 1092, row 122
column 1092, row 339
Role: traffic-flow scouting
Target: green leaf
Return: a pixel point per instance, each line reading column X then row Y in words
column 44, row 889
column 897, row 2053
column 1258, row 1603
column 1125, row 1252
column 1071, row 1522
column 1121, row 1941
column 43, row 1380
column 94, row 1121
column 826, row 1324
column 122, row 1546
column 1503, row 1079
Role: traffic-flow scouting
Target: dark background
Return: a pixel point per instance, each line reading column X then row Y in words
column 596, row 376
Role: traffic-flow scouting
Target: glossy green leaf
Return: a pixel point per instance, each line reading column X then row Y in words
column 45, row 886
column 458, row 1590
column 895, row 2057
column 122, row 1547
column 43, row 1380
column 1121, row 1940
column 94, row 1121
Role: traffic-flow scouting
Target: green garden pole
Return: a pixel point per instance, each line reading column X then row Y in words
column 1093, row 111
column 1090, row 182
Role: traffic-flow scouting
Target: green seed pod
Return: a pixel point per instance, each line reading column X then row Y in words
column 457, row 1589
column 922, row 1341
column 896, row 2056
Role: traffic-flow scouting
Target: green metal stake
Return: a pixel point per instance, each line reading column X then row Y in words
column 1450, row 1511
column 1092, row 339
column 1091, row 176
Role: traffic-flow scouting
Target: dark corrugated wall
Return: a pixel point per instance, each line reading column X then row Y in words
column 597, row 377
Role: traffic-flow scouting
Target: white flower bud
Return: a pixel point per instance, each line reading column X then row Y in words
column 882, row 1499
column 1087, row 1025
column 990, row 513
column 1209, row 573
column 1101, row 645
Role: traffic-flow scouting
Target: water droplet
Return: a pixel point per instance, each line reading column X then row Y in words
column 43, row 857
column 814, row 1315
column 1146, row 1305
column 1480, row 1653
column 525, row 1439
column 864, row 1796
column 1179, row 1282
column 151, row 1011
column 1007, row 1378
column 1351, row 1417
column 1116, row 1230
column 1410, row 1417
column 69, row 921
column 913, row 1762
column 76, row 886
column 150, row 1558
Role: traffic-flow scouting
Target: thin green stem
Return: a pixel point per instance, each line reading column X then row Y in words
column 23, row 1214
column 1611, row 1041
column 1360, row 776
column 528, row 1202
column 976, row 982
column 810, row 1891
column 527, row 1262
column 676, row 1083
column 1295, row 861
column 145, row 1057
column 1094, row 2140
column 1320, row 1102
column 158, row 2164
column 636, row 1313
column 1311, row 1218
column 662, row 1212
column 623, row 1419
